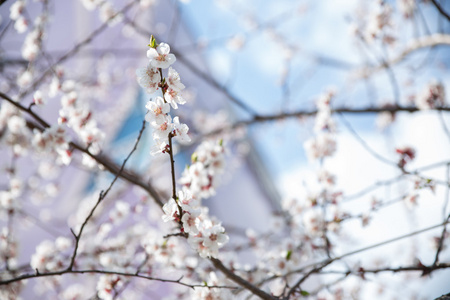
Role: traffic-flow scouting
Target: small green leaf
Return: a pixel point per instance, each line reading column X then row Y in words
column 288, row 255
column 221, row 142
column 205, row 283
column 304, row 293
column 153, row 43
column 194, row 157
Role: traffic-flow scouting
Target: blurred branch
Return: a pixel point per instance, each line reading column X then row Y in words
column 317, row 266
column 364, row 144
column 73, row 51
column 418, row 267
column 101, row 159
column 306, row 113
column 428, row 41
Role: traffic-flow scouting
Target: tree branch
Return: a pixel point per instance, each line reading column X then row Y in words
column 308, row 113
column 441, row 10
column 239, row 280
column 63, row 272
column 101, row 197
column 105, row 161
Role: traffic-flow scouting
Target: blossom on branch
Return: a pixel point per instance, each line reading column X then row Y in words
column 161, row 56
column 148, row 78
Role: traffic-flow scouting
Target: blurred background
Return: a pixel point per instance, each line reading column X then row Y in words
column 255, row 73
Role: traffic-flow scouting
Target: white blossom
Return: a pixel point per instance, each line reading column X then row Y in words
column 174, row 80
column 432, row 96
column 16, row 9
column 181, row 130
column 161, row 56
column 38, row 98
column 157, row 110
column 170, row 211
column 148, row 78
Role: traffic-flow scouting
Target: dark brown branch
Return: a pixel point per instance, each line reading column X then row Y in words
column 174, row 185
column 306, row 276
column 105, row 161
column 306, row 113
column 172, row 168
column 37, row 274
column 441, row 10
column 239, row 280
column 419, row 268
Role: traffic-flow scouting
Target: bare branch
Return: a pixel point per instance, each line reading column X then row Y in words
column 441, row 10
column 102, row 196
column 63, row 272
column 239, row 280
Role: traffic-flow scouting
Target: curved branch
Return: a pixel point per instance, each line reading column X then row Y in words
column 430, row 41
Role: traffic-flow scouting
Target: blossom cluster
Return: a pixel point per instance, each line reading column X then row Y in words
column 78, row 116
column 49, row 256
column 17, row 15
column 53, row 140
column 432, row 96
column 323, row 144
column 17, row 134
column 380, row 21
column 150, row 78
column 200, row 178
column 206, row 235
column 107, row 284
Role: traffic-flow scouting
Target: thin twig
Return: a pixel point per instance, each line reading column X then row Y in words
column 63, row 272
column 308, row 113
column 441, row 10
column 364, row 144
column 100, row 198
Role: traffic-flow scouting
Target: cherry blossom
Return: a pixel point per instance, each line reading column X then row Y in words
column 190, row 219
column 37, row 98
column 174, row 80
column 148, row 78
column 161, row 56
column 157, row 110
column 170, row 211
column 181, row 130
column 16, row 9
column 173, row 96
column 432, row 96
